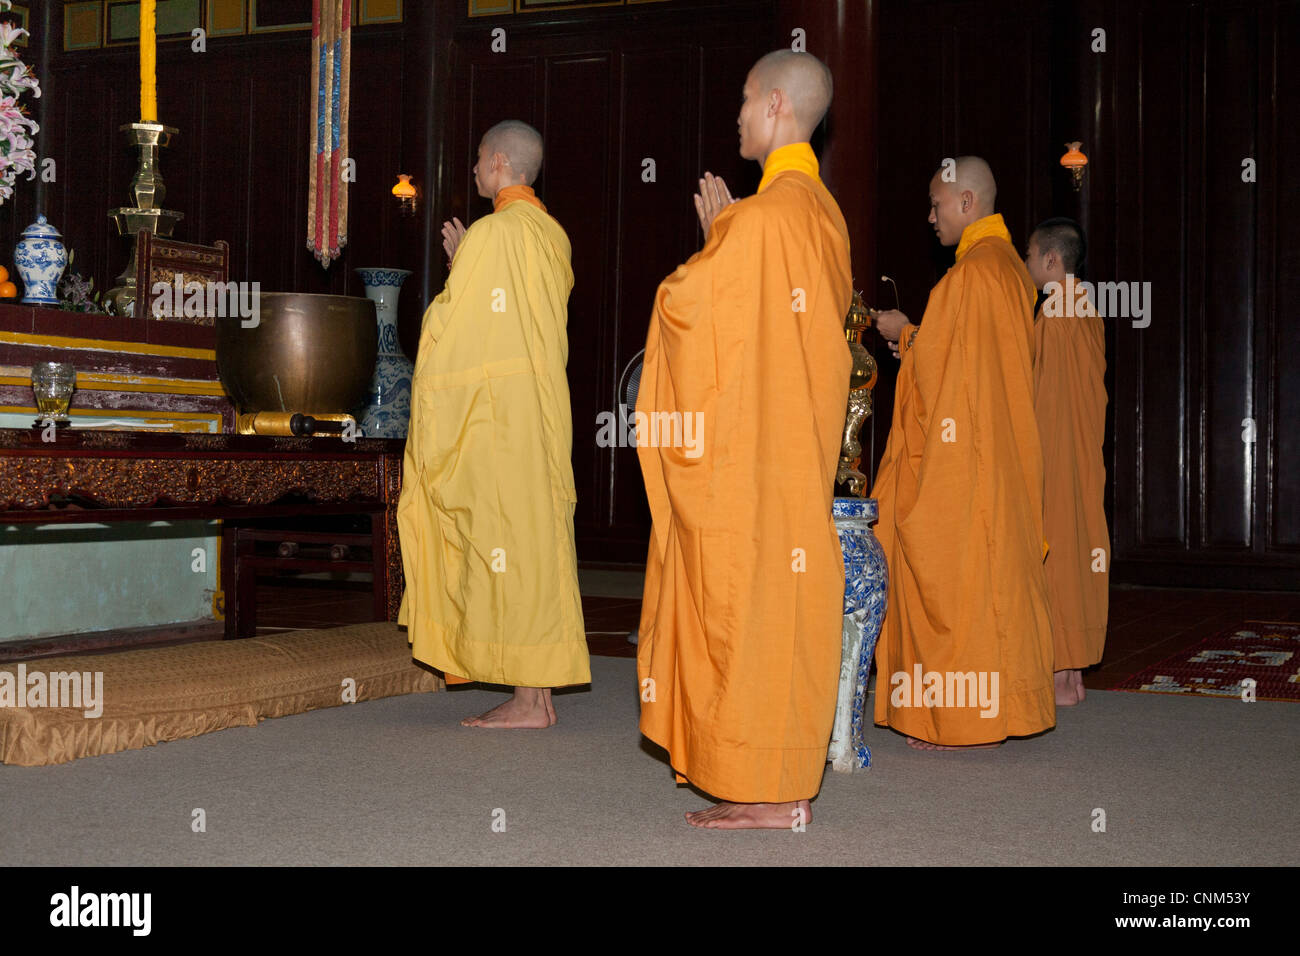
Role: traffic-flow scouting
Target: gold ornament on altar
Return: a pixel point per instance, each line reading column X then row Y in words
column 147, row 189
column 862, row 379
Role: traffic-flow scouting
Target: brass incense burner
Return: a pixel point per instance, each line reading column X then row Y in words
column 861, row 380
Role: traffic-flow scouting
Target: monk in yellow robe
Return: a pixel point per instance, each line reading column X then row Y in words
column 965, row 654
column 739, row 649
column 486, row 511
column 1070, row 390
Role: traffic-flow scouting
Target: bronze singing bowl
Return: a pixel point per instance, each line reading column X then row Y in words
column 307, row 353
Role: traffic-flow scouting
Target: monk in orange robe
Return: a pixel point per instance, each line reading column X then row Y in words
column 739, row 650
column 1070, row 389
column 965, row 654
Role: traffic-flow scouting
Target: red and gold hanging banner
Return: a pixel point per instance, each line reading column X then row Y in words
column 327, row 199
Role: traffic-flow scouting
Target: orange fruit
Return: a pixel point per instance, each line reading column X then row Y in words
column 8, row 290
column 4, row 274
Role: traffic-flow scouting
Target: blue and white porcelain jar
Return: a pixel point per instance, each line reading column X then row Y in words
column 389, row 409
column 40, row 258
column 866, row 591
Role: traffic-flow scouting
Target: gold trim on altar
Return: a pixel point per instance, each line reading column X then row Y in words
column 107, row 382
column 179, row 422
column 107, row 345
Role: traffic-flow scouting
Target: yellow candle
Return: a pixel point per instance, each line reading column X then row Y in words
column 148, row 61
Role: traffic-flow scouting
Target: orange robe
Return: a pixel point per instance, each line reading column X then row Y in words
column 739, row 650
column 960, row 489
column 1069, row 383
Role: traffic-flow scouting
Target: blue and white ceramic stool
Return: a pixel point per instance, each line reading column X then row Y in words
column 866, row 581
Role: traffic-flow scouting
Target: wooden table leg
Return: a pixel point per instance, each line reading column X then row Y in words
column 229, row 575
column 379, row 565
column 392, row 551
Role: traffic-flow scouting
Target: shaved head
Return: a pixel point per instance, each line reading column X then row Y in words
column 521, row 145
column 804, row 80
column 961, row 192
column 974, row 174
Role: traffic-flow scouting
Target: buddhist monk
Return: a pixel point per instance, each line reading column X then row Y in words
column 1070, row 401
column 486, row 510
column 739, row 640
column 965, row 655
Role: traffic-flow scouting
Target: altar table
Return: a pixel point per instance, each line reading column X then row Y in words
column 245, row 480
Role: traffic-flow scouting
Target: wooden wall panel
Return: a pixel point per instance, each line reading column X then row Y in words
column 1152, row 367
column 581, row 189
column 226, row 205
column 1226, row 280
column 1190, row 91
column 1279, row 280
column 658, row 130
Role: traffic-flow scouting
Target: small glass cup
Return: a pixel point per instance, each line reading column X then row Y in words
column 53, row 384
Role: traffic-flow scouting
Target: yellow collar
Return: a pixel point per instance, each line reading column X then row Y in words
column 797, row 156
column 982, row 229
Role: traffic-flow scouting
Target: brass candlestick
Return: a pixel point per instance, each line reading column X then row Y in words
column 861, row 380
column 148, row 191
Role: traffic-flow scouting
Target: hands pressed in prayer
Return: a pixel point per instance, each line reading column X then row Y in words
column 890, row 324
column 452, row 233
column 712, row 198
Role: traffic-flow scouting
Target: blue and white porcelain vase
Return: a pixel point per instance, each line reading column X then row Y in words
column 40, row 258
column 390, row 388
column 866, row 589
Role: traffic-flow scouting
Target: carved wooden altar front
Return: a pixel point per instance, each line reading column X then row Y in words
column 104, row 476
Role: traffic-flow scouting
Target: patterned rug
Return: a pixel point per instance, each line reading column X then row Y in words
column 1221, row 665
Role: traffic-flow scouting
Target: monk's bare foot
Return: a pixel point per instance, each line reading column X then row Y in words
column 926, row 745
column 528, row 709
column 550, row 708
column 753, row 816
column 1078, row 685
column 1069, row 687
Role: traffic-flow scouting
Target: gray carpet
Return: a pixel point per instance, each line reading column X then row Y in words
column 398, row 782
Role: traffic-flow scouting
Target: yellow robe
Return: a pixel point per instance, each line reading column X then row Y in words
column 486, row 511
column 960, row 489
column 739, row 649
column 1069, row 382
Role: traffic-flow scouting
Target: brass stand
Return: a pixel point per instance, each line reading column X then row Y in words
column 148, row 191
column 861, row 381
